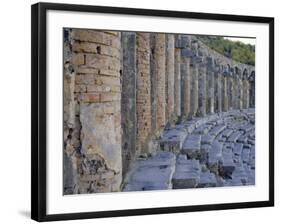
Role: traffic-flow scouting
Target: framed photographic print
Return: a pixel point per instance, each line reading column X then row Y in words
column 139, row 111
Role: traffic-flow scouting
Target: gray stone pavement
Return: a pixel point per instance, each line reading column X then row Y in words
column 213, row 151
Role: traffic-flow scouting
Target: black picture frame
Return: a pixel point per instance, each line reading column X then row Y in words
column 39, row 108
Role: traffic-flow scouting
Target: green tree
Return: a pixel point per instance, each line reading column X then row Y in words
column 236, row 50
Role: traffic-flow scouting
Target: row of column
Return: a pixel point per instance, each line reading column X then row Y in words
column 175, row 78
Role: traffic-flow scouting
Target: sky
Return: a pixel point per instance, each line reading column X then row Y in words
column 251, row 41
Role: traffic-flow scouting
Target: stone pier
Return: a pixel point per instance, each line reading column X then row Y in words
column 170, row 75
column 177, row 78
column 96, row 60
column 211, row 85
column 143, row 90
column 202, row 70
column 159, row 77
column 129, row 99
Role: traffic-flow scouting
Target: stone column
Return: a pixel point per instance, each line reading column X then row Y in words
column 177, row 87
column 240, row 88
column 246, row 94
column 186, row 79
column 186, row 74
column 143, row 91
column 202, row 87
column 218, row 89
column 194, row 68
column 245, row 90
column 170, row 74
column 158, row 62
column 194, row 90
column 128, row 99
column 230, row 90
column 98, row 90
column 211, row 85
column 235, row 91
column 225, row 92
column 252, row 89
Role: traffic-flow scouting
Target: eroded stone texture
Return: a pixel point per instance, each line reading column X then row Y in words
column 129, row 99
column 186, row 78
column 211, row 85
column 158, row 81
column 143, row 91
column 202, row 89
column 177, row 87
column 252, row 89
column 186, row 74
column 70, row 122
column 235, row 102
column 230, row 91
column 160, row 54
column 97, row 60
column 106, row 144
column 194, row 90
column 170, row 75
column 218, row 90
column 224, row 92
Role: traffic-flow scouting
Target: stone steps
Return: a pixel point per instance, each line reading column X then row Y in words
column 214, row 151
column 154, row 173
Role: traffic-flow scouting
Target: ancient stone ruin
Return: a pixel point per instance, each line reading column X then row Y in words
column 154, row 111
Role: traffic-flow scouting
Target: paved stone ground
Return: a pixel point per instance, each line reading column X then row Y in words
column 213, row 151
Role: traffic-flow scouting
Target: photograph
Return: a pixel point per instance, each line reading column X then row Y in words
column 146, row 111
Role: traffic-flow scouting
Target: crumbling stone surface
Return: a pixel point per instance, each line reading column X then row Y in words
column 128, row 99
column 143, row 91
column 94, row 97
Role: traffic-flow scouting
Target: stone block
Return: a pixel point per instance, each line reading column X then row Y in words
column 154, row 173
column 207, row 179
column 187, row 174
column 172, row 140
column 191, row 146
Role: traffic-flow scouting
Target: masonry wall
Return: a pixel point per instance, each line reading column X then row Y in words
column 121, row 89
column 95, row 99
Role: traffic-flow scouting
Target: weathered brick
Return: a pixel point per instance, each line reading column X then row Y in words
column 86, row 70
column 95, row 88
column 97, row 37
column 110, row 51
column 90, row 36
column 110, row 81
column 102, row 62
column 78, row 59
column 90, row 97
column 80, row 88
column 108, row 97
column 109, row 72
column 143, row 89
column 84, row 47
